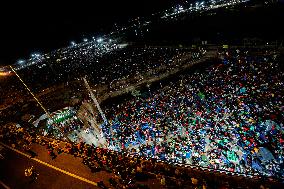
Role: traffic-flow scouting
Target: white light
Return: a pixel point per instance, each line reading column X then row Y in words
column 21, row 61
column 85, row 39
column 99, row 40
column 35, row 55
column 73, row 43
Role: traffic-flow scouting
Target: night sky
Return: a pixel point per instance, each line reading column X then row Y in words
column 41, row 26
column 45, row 25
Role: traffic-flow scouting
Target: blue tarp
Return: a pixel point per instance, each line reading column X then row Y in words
column 243, row 90
column 264, row 154
column 256, row 165
column 225, row 61
column 115, row 126
column 145, row 126
column 188, row 154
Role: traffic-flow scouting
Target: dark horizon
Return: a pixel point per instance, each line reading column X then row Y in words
column 46, row 27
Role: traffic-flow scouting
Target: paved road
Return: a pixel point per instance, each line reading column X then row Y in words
column 51, row 172
column 12, row 175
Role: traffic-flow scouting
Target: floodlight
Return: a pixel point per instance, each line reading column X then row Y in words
column 99, row 40
column 20, row 61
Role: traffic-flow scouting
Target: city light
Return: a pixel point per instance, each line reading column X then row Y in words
column 35, row 55
column 168, row 14
column 73, row 43
column 20, row 61
column 199, row 6
column 4, row 73
column 99, row 40
column 180, row 8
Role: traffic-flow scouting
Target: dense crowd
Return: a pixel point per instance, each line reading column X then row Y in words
column 229, row 117
column 117, row 65
column 134, row 171
column 111, row 71
column 63, row 122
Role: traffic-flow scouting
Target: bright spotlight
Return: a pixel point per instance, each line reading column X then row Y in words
column 20, row 61
column 99, row 40
column 35, row 55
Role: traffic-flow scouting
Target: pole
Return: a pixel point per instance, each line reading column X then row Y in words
column 95, row 101
column 31, row 92
column 37, row 100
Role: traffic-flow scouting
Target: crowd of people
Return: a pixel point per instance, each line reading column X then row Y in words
column 110, row 71
column 130, row 62
column 228, row 117
column 134, row 171
column 63, row 122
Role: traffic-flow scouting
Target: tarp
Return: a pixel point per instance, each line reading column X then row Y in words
column 232, row 156
column 264, row 154
column 201, row 95
column 243, row 90
column 256, row 165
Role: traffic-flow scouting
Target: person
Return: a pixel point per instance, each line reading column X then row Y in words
column 101, row 184
column 31, row 173
column 194, row 181
column 163, row 181
column 31, row 152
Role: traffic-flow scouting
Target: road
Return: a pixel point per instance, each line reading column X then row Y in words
column 65, row 171
column 12, row 174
